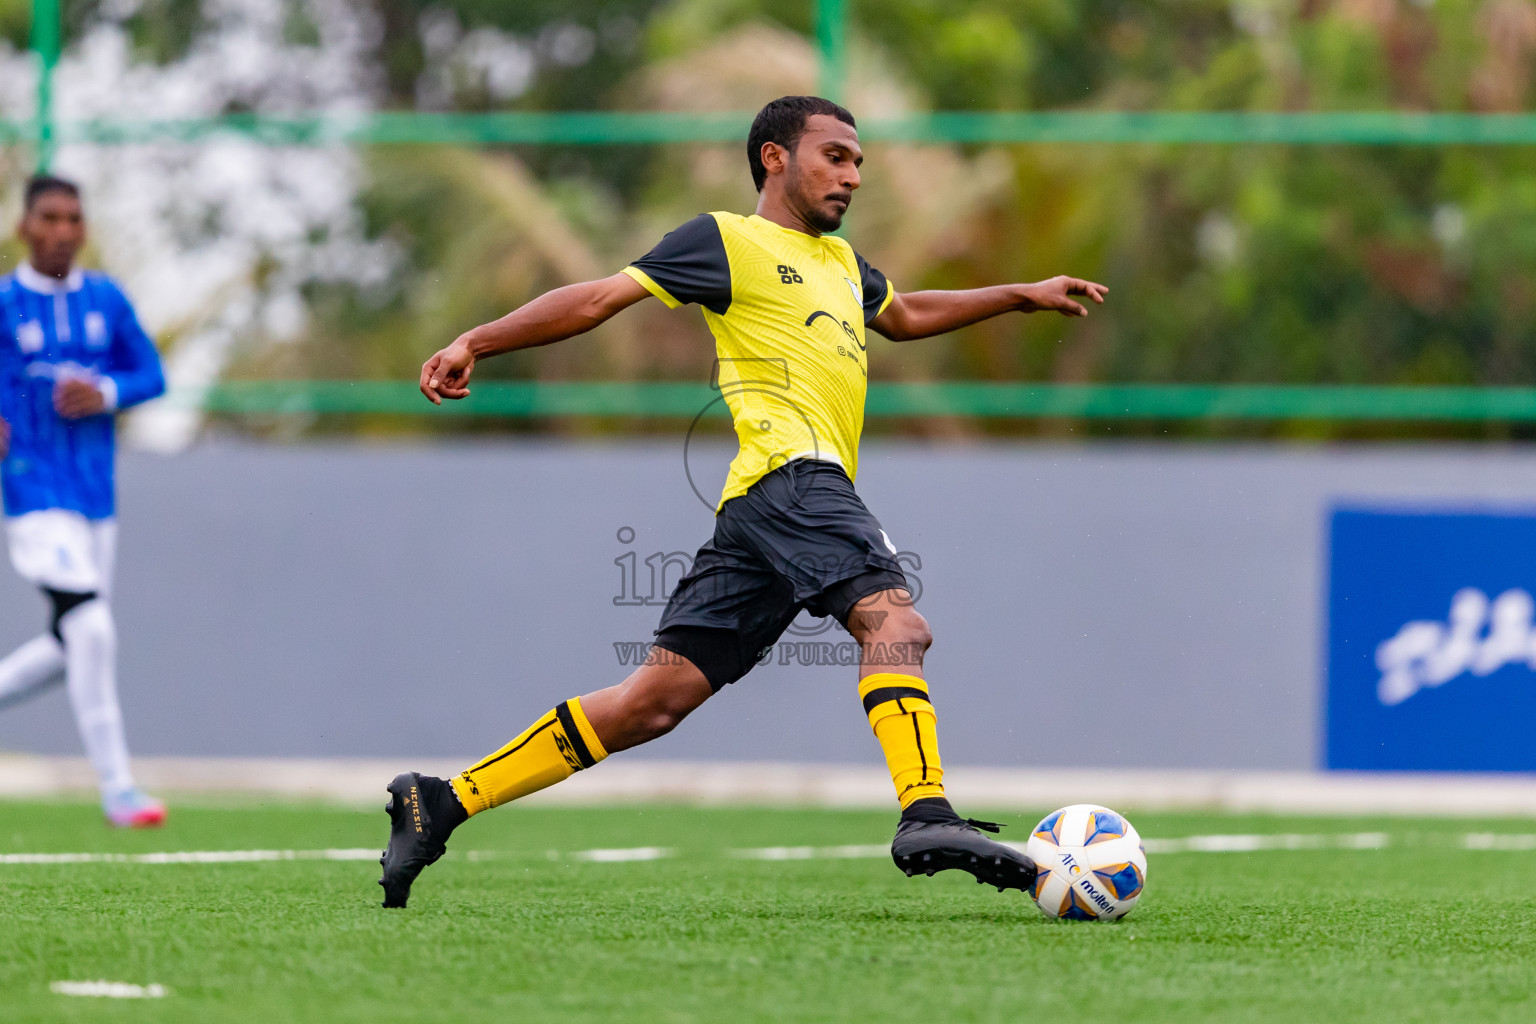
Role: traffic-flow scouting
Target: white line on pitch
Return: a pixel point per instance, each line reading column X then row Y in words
column 1243, row 843
column 1281, row 841
column 1496, row 841
column 811, row 852
column 108, row 989
column 1187, row 844
column 604, row 856
column 187, row 857
column 623, row 855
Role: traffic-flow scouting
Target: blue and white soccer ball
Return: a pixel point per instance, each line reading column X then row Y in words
column 1092, row 864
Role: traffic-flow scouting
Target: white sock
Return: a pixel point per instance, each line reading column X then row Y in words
column 30, row 668
column 90, row 657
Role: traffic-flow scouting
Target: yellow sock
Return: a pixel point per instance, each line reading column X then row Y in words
column 907, row 728
column 554, row 748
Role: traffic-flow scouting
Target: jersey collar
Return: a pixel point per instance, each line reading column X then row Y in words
column 799, row 236
column 34, row 280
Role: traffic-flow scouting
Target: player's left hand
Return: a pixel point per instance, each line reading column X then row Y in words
column 5, row 439
column 76, row 399
column 446, row 374
column 1056, row 294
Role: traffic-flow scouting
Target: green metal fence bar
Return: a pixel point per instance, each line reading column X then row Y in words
column 517, row 400
column 47, row 41
column 1203, row 402
column 832, row 46
column 412, row 127
column 655, row 127
column 526, row 399
column 1302, row 128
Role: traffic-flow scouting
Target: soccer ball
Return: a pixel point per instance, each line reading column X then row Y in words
column 1092, row 864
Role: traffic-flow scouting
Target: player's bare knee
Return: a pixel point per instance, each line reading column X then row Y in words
column 655, row 711
column 917, row 631
column 907, row 639
column 669, row 710
column 905, row 625
column 650, row 722
column 659, row 723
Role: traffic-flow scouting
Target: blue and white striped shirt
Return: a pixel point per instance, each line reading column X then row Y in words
column 50, row 331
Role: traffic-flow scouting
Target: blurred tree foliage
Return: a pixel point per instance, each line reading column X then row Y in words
column 1333, row 264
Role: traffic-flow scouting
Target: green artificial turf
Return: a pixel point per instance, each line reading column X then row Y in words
column 1423, row 930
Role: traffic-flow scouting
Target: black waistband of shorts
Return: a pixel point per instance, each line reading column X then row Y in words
column 795, row 470
column 797, row 476
column 808, row 464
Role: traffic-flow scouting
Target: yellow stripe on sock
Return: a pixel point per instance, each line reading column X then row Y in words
column 906, row 725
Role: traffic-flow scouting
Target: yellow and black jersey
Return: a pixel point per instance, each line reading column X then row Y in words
column 788, row 313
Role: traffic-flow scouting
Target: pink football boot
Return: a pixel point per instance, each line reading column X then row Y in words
column 134, row 808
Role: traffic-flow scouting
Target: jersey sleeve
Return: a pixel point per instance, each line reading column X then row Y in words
column 688, row 265
column 134, row 365
column 878, row 292
column 10, row 357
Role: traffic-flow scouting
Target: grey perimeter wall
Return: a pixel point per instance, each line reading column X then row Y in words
column 1092, row 606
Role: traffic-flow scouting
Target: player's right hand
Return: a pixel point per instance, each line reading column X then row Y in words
column 5, row 438
column 446, row 374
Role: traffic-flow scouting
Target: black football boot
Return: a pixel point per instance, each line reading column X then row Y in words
column 423, row 812
column 932, row 837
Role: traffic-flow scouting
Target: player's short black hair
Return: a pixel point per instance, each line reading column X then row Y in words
column 40, row 185
column 783, row 121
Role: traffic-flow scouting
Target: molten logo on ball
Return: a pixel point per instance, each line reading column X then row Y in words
column 1092, row 864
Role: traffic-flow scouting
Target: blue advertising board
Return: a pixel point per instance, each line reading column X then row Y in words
column 1431, row 647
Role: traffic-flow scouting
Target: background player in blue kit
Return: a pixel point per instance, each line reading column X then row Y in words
column 72, row 353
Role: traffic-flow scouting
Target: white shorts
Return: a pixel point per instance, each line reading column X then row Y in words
column 64, row 550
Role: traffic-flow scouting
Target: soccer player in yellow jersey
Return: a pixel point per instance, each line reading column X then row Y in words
column 788, row 306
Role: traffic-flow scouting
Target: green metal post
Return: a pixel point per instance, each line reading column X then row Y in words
column 832, row 42
column 46, row 42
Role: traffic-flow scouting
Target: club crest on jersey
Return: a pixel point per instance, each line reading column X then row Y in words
column 858, row 293
column 96, row 335
column 29, row 336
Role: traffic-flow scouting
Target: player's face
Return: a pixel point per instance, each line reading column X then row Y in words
column 823, row 171
column 54, row 231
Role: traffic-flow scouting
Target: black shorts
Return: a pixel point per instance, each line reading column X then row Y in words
column 799, row 538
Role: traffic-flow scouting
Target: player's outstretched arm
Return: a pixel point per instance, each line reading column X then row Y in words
column 924, row 314
column 553, row 316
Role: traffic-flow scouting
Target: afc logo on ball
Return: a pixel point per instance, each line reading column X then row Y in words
column 1430, row 626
